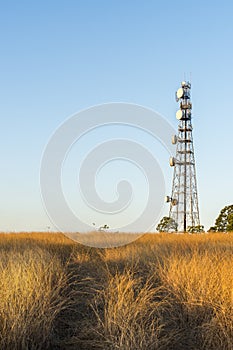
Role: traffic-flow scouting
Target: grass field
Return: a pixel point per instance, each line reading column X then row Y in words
column 163, row 291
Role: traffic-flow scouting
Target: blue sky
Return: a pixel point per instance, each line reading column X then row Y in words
column 59, row 57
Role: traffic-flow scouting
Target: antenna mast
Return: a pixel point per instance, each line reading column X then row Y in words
column 184, row 200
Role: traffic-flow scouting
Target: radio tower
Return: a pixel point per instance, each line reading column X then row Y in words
column 184, row 201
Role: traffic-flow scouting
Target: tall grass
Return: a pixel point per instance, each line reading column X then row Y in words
column 163, row 291
column 33, row 291
column 131, row 317
column 199, row 289
column 175, row 292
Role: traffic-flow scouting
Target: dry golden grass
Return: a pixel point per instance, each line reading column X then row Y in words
column 163, row 291
column 33, row 290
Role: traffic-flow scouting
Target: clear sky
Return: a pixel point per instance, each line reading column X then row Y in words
column 59, row 57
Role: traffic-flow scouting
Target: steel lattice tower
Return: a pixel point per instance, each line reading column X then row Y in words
column 184, row 200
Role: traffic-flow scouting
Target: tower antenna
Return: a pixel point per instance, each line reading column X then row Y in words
column 184, row 200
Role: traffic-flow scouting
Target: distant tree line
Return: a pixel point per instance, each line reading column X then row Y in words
column 223, row 223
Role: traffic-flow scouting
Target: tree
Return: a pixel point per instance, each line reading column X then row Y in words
column 212, row 229
column 195, row 229
column 224, row 221
column 167, row 225
column 104, row 227
column 230, row 222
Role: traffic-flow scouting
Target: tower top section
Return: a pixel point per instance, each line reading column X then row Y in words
column 184, row 91
column 183, row 95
